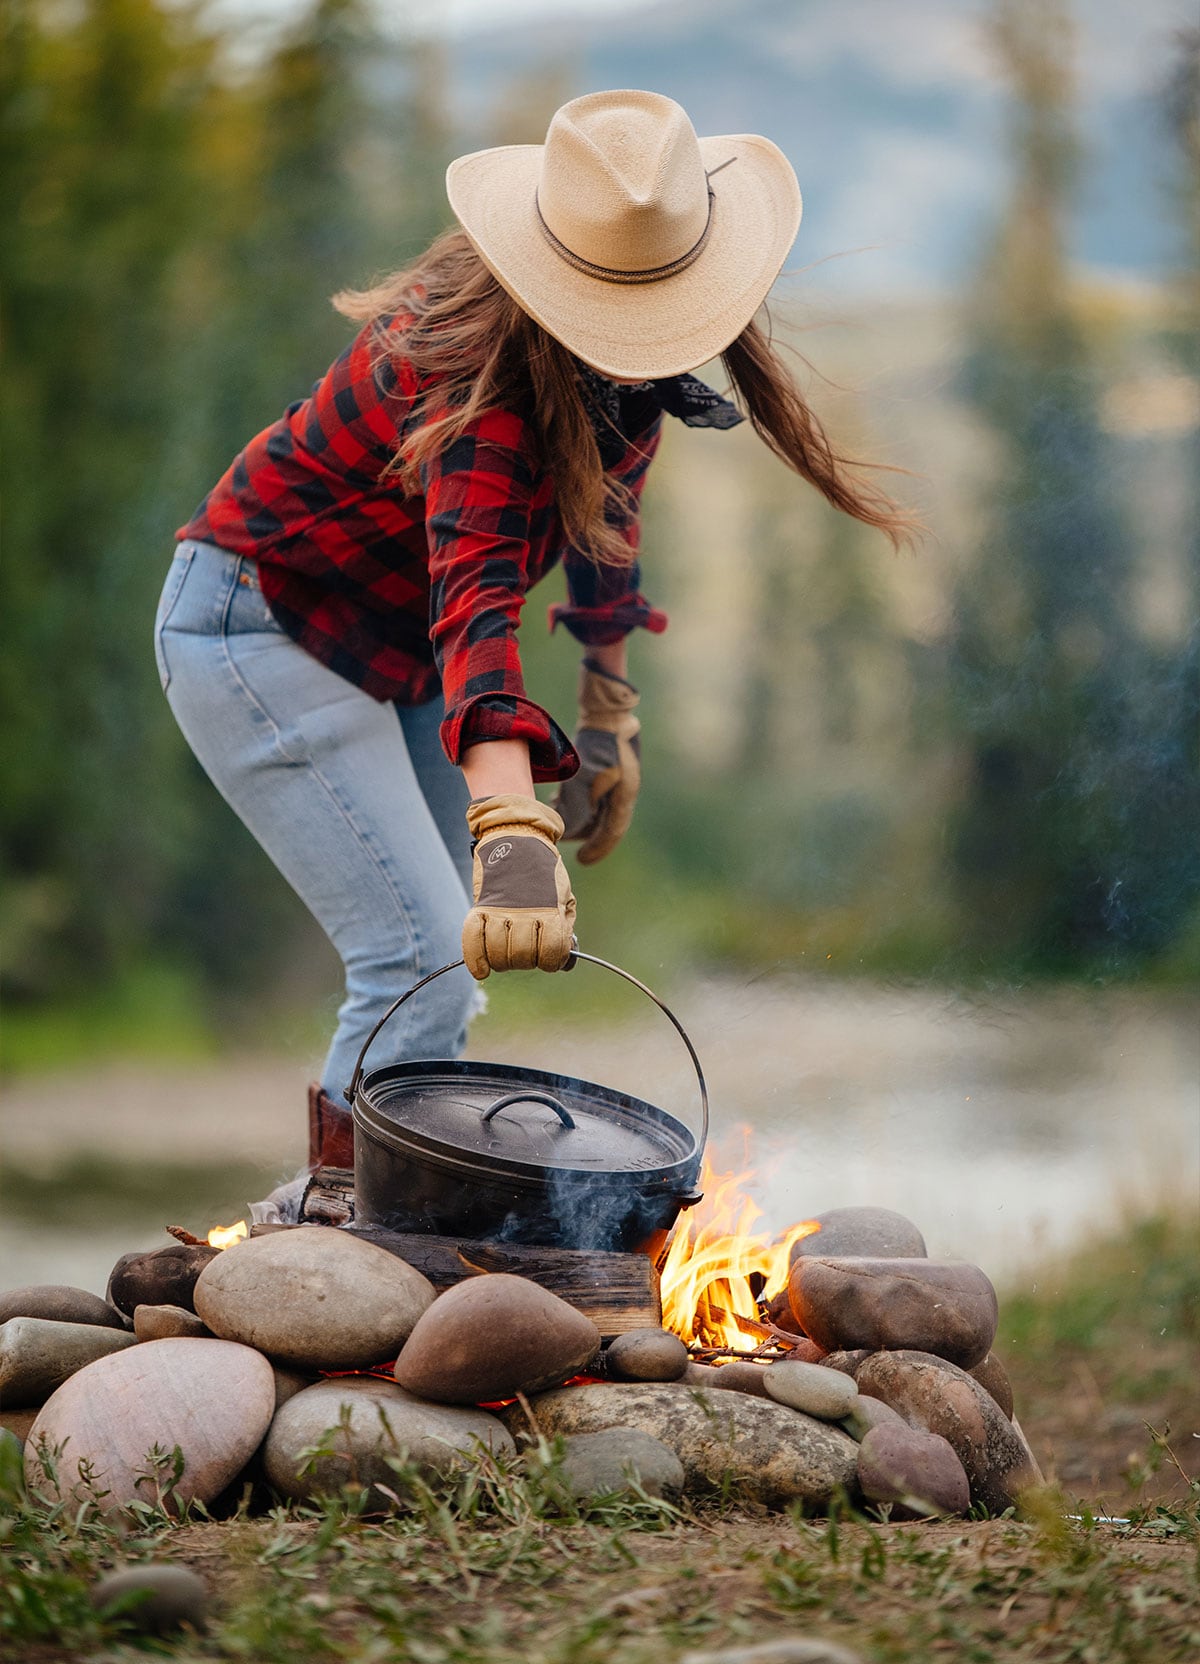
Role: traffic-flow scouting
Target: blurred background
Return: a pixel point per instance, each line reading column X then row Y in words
column 917, row 853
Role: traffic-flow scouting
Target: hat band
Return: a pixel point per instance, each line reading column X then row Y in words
column 615, row 274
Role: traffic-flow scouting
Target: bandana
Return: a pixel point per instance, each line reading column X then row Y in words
column 619, row 411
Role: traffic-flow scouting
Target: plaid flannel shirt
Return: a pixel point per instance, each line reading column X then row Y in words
column 407, row 592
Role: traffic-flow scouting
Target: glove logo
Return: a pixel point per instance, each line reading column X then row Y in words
column 500, row 852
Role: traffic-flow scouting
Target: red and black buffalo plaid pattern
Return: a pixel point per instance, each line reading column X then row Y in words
column 403, row 593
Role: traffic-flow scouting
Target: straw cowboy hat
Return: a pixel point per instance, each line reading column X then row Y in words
column 642, row 248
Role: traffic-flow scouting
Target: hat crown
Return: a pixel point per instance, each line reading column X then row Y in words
column 622, row 181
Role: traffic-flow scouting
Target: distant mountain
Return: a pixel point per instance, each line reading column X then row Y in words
column 890, row 112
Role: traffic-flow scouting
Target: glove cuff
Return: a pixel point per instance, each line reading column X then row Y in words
column 512, row 812
column 606, row 702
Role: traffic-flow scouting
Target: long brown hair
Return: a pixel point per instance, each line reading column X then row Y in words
column 490, row 354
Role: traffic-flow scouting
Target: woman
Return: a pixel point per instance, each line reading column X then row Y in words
column 337, row 635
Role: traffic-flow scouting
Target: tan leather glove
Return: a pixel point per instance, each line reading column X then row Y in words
column 524, row 913
column 597, row 803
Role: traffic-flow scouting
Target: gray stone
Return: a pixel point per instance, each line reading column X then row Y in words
column 646, row 1355
column 823, row 1393
column 59, row 1304
column 868, row 1413
column 861, row 1233
column 993, row 1377
column 940, row 1306
column 152, row 1598
column 768, row 1454
column 937, row 1396
column 917, row 1472
column 363, row 1421
column 211, row 1398
column 735, row 1376
column 315, row 1298
column 617, row 1459
column 37, row 1355
column 168, row 1323
column 492, row 1337
column 810, row 1649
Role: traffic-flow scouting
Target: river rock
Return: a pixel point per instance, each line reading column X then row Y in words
column 615, row 1460
column 823, row 1393
column 938, row 1306
column 866, row 1413
column 211, row 1398
column 152, row 1598
column 315, row 1297
column 935, row 1395
column 765, row 1452
column 162, row 1277
column 846, row 1362
column 168, row 1323
column 492, row 1337
column 381, row 1421
column 38, row 1355
column 993, row 1377
column 917, row 1472
column 646, row 1355
column 861, row 1233
column 808, row 1649
column 57, row 1303
column 735, row 1376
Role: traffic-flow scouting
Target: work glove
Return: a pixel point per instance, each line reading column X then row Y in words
column 524, row 913
column 596, row 804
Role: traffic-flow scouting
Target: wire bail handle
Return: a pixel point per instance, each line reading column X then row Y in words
column 356, row 1080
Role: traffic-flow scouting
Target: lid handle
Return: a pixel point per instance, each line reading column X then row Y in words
column 352, row 1089
column 563, row 1114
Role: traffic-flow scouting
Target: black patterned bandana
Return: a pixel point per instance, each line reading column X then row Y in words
column 620, row 411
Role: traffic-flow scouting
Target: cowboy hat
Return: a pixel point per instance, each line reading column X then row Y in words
column 642, row 248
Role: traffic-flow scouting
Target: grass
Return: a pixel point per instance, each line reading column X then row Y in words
column 494, row 1568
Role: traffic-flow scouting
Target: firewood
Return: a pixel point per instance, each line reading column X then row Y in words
column 618, row 1292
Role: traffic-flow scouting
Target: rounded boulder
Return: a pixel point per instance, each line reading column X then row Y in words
column 315, row 1298
column 59, row 1304
column 363, row 1426
column 211, row 1399
column 152, row 1598
column 646, row 1355
column 861, row 1233
column 940, row 1306
column 492, row 1337
column 918, row 1473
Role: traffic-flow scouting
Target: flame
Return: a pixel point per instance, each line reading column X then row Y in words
column 224, row 1236
column 708, row 1299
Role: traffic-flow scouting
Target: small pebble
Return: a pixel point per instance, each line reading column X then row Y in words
column 824, row 1393
column 646, row 1355
column 168, row 1323
column 866, row 1413
column 807, row 1650
column 166, row 1597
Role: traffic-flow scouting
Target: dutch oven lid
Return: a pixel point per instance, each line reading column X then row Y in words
column 520, row 1119
column 523, row 1120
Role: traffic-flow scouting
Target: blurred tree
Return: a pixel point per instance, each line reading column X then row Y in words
column 1062, row 854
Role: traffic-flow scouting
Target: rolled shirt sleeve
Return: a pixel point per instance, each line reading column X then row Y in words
column 479, row 498
column 604, row 600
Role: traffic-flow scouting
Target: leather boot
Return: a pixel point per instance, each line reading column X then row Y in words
column 330, row 1132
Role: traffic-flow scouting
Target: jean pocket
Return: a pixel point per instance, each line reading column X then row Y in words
column 176, row 574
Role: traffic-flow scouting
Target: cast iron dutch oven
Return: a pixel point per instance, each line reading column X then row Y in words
column 485, row 1151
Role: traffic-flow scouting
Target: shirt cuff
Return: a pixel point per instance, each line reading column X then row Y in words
column 600, row 626
column 509, row 716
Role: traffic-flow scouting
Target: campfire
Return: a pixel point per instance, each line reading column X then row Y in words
column 833, row 1357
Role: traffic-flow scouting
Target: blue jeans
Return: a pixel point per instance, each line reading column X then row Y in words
column 353, row 800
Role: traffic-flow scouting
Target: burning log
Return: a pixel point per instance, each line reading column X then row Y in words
column 162, row 1277
column 618, row 1292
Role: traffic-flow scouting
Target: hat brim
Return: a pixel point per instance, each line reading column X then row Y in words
column 636, row 331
